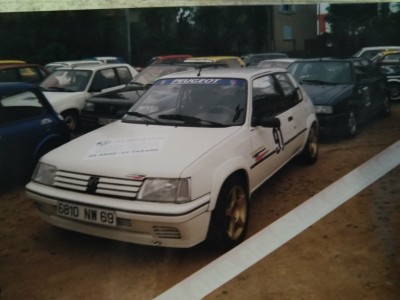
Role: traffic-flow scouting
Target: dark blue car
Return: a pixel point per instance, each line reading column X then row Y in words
column 346, row 92
column 29, row 128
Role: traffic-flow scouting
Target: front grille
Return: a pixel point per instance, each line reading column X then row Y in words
column 98, row 185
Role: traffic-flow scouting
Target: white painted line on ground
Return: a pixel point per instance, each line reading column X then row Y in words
column 232, row 263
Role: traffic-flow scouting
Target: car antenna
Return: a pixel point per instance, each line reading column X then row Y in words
column 209, row 65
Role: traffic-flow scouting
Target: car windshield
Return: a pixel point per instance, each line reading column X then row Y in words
column 322, row 72
column 67, row 80
column 199, row 102
column 151, row 73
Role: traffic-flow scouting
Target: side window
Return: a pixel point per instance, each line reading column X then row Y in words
column 9, row 75
column 29, row 75
column 124, row 75
column 18, row 107
column 267, row 98
column 104, row 79
column 290, row 94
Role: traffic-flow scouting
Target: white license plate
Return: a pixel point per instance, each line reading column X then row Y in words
column 103, row 121
column 86, row 214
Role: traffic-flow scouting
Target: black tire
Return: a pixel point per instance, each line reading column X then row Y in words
column 351, row 125
column 229, row 220
column 386, row 107
column 394, row 91
column 309, row 155
column 71, row 119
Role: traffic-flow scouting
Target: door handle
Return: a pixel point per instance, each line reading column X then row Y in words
column 45, row 121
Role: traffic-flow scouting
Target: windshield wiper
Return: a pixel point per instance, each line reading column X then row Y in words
column 140, row 115
column 189, row 119
column 316, row 81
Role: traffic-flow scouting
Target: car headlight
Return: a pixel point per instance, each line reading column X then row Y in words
column 165, row 190
column 323, row 109
column 89, row 106
column 44, row 173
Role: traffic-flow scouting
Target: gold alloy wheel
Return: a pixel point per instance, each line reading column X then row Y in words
column 236, row 212
column 313, row 142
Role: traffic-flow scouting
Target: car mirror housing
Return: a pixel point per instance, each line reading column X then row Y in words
column 269, row 122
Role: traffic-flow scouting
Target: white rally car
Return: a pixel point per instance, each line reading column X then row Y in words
column 182, row 164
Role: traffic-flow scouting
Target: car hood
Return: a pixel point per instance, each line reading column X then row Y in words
column 327, row 94
column 123, row 98
column 60, row 100
column 125, row 150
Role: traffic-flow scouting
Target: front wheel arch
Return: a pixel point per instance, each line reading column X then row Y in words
column 230, row 217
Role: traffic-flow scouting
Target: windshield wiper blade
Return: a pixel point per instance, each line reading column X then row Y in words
column 140, row 115
column 315, row 81
column 188, row 119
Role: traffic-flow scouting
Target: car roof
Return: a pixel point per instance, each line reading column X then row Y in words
column 213, row 58
column 380, row 47
column 18, row 65
column 266, row 53
column 239, row 73
column 328, row 59
column 280, row 59
column 94, row 67
column 67, row 62
column 12, row 61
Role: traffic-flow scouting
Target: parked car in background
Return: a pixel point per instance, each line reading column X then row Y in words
column 182, row 165
column 22, row 72
column 109, row 59
column 370, row 52
column 51, row 67
column 68, row 88
column 345, row 92
column 168, row 59
column 229, row 61
column 389, row 63
column 29, row 128
column 252, row 59
column 276, row 63
column 106, row 108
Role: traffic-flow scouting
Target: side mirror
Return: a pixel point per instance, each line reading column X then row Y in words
column 268, row 122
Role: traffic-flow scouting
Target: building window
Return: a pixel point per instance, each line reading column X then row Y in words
column 287, row 33
column 287, row 9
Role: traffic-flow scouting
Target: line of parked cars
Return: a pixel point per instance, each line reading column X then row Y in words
column 173, row 153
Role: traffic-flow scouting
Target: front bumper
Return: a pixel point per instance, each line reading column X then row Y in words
column 332, row 121
column 178, row 225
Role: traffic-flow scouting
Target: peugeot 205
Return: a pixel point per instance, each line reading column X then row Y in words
column 180, row 167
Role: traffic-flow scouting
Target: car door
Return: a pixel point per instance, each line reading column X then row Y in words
column 269, row 151
column 106, row 80
column 293, row 112
column 362, row 93
column 24, row 123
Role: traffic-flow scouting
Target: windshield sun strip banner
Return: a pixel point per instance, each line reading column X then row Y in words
column 202, row 81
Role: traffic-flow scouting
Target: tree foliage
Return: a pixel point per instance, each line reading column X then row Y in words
column 360, row 25
column 42, row 37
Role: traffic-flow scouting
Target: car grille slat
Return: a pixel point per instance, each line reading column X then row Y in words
column 119, row 188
